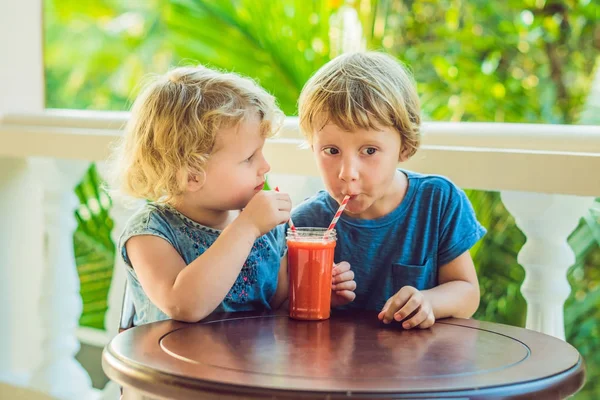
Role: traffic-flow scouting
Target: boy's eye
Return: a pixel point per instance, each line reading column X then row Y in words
column 331, row 151
column 249, row 158
column 369, row 151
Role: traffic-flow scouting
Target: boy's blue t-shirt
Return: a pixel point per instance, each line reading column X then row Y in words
column 255, row 285
column 433, row 225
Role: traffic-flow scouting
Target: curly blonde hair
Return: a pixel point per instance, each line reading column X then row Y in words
column 173, row 127
column 365, row 90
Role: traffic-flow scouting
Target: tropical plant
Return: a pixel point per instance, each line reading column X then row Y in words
column 94, row 249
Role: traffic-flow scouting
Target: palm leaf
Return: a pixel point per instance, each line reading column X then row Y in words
column 94, row 250
column 281, row 52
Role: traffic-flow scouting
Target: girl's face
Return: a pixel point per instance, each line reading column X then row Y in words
column 236, row 169
column 361, row 164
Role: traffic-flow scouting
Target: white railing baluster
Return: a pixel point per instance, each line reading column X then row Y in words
column 59, row 374
column 21, row 264
column 21, row 220
column 546, row 220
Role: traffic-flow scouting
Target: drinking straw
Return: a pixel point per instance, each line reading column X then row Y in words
column 336, row 217
column 291, row 224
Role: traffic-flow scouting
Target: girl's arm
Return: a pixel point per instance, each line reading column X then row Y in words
column 190, row 293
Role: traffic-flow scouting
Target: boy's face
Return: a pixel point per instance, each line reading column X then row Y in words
column 236, row 169
column 361, row 164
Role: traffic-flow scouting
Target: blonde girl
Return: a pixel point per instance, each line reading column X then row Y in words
column 209, row 238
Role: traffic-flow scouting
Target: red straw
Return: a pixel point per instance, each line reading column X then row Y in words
column 292, row 226
column 336, row 217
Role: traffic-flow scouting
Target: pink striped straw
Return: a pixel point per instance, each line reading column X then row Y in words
column 290, row 223
column 336, row 217
column 292, row 226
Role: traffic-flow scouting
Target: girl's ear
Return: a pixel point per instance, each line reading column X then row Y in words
column 195, row 181
column 403, row 157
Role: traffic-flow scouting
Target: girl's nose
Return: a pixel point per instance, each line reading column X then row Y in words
column 265, row 167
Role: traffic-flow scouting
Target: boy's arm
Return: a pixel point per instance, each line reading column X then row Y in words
column 457, row 293
column 282, row 291
column 342, row 285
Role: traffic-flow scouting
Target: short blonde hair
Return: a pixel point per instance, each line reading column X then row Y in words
column 365, row 90
column 173, row 127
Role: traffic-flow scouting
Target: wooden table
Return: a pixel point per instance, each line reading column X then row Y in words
column 351, row 355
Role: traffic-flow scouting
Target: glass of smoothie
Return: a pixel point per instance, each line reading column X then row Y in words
column 310, row 261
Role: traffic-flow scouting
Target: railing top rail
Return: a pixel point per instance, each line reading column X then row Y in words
column 492, row 156
column 491, row 135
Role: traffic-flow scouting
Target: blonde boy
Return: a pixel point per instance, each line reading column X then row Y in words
column 406, row 235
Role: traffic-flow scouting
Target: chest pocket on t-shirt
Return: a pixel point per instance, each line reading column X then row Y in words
column 419, row 276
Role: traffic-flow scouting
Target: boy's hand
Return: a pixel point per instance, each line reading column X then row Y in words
column 266, row 210
column 342, row 285
column 408, row 302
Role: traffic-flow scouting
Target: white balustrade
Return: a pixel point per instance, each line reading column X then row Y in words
column 58, row 373
column 21, row 202
column 21, row 264
column 546, row 220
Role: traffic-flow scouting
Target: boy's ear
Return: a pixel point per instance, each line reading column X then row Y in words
column 195, row 181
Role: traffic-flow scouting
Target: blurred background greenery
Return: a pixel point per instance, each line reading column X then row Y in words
column 477, row 60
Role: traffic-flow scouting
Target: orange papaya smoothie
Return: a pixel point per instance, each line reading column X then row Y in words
column 310, row 261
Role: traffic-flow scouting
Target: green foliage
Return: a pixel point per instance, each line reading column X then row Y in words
column 279, row 43
column 582, row 311
column 500, row 276
column 94, row 249
column 97, row 51
column 510, row 61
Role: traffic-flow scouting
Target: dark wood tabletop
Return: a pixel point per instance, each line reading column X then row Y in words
column 350, row 355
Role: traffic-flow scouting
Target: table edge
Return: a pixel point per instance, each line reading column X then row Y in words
column 130, row 373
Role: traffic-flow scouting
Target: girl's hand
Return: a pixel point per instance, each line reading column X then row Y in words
column 342, row 285
column 410, row 305
column 266, row 210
